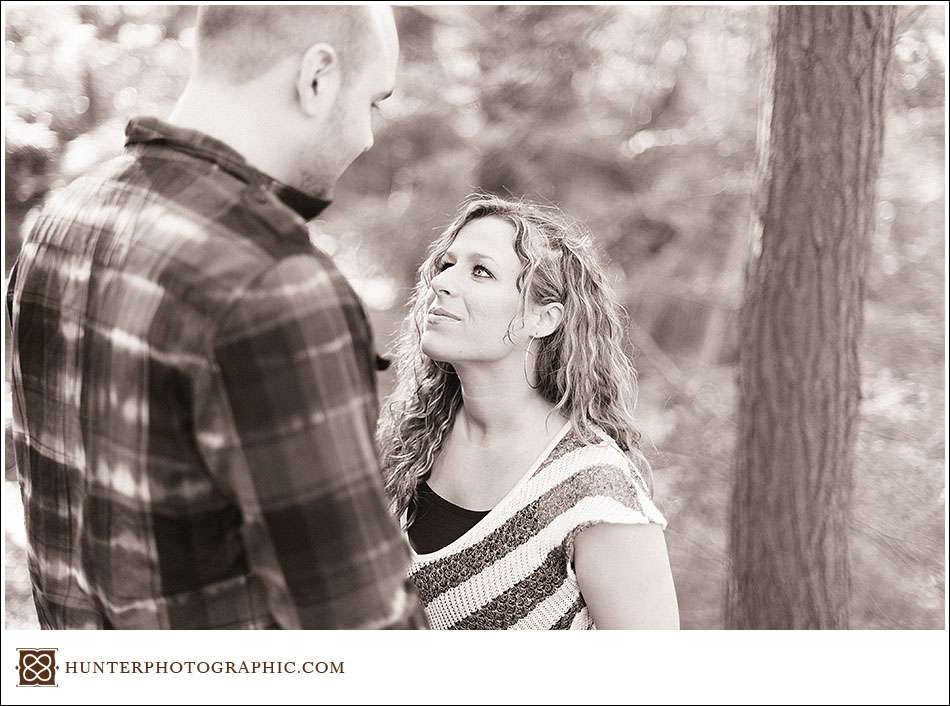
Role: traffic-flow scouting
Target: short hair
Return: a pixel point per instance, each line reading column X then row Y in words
column 240, row 42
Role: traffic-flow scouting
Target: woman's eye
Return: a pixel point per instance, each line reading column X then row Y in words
column 481, row 268
column 443, row 266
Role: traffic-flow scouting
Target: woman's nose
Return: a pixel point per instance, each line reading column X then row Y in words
column 440, row 283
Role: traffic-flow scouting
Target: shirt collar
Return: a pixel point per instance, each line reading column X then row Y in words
column 152, row 130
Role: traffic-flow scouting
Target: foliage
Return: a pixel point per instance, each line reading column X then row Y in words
column 640, row 121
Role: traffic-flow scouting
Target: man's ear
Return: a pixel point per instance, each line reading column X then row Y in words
column 549, row 318
column 319, row 80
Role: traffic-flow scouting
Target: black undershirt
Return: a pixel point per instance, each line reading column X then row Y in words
column 438, row 522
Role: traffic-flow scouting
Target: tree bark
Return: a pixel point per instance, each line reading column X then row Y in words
column 799, row 376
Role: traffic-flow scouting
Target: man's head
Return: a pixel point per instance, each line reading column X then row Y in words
column 310, row 76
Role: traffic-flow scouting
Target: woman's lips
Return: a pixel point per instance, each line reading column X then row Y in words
column 439, row 314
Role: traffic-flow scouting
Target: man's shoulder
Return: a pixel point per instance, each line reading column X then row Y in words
column 206, row 238
column 153, row 190
column 152, row 181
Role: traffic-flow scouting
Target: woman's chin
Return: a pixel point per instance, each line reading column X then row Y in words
column 431, row 347
column 442, row 354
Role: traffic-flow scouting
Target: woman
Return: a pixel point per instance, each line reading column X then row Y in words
column 509, row 447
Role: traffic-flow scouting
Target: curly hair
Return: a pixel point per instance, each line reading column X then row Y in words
column 581, row 367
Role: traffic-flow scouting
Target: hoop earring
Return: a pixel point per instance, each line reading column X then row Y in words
column 525, row 365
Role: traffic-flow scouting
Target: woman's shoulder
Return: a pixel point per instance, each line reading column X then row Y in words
column 591, row 447
column 591, row 463
column 585, row 460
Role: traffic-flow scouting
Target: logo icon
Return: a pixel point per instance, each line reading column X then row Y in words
column 37, row 667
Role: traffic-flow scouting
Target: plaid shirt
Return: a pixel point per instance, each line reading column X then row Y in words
column 194, row 405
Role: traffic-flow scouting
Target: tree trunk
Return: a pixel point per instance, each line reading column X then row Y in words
column 799, row 381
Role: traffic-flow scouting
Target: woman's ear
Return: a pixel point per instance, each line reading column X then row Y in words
column 549, row 318
column 318, row 82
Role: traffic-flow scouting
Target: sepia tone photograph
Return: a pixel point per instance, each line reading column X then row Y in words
column 451, row 317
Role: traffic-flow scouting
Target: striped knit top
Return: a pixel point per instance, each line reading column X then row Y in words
column 514, row 568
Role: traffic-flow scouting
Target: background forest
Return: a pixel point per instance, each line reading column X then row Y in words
column 640, row 121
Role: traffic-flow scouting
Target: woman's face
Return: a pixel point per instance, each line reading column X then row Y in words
column 475, row 297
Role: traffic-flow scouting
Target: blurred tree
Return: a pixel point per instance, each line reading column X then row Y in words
column 522, row 101
column 799, row 382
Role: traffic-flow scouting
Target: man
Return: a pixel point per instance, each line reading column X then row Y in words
column 193, row 382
